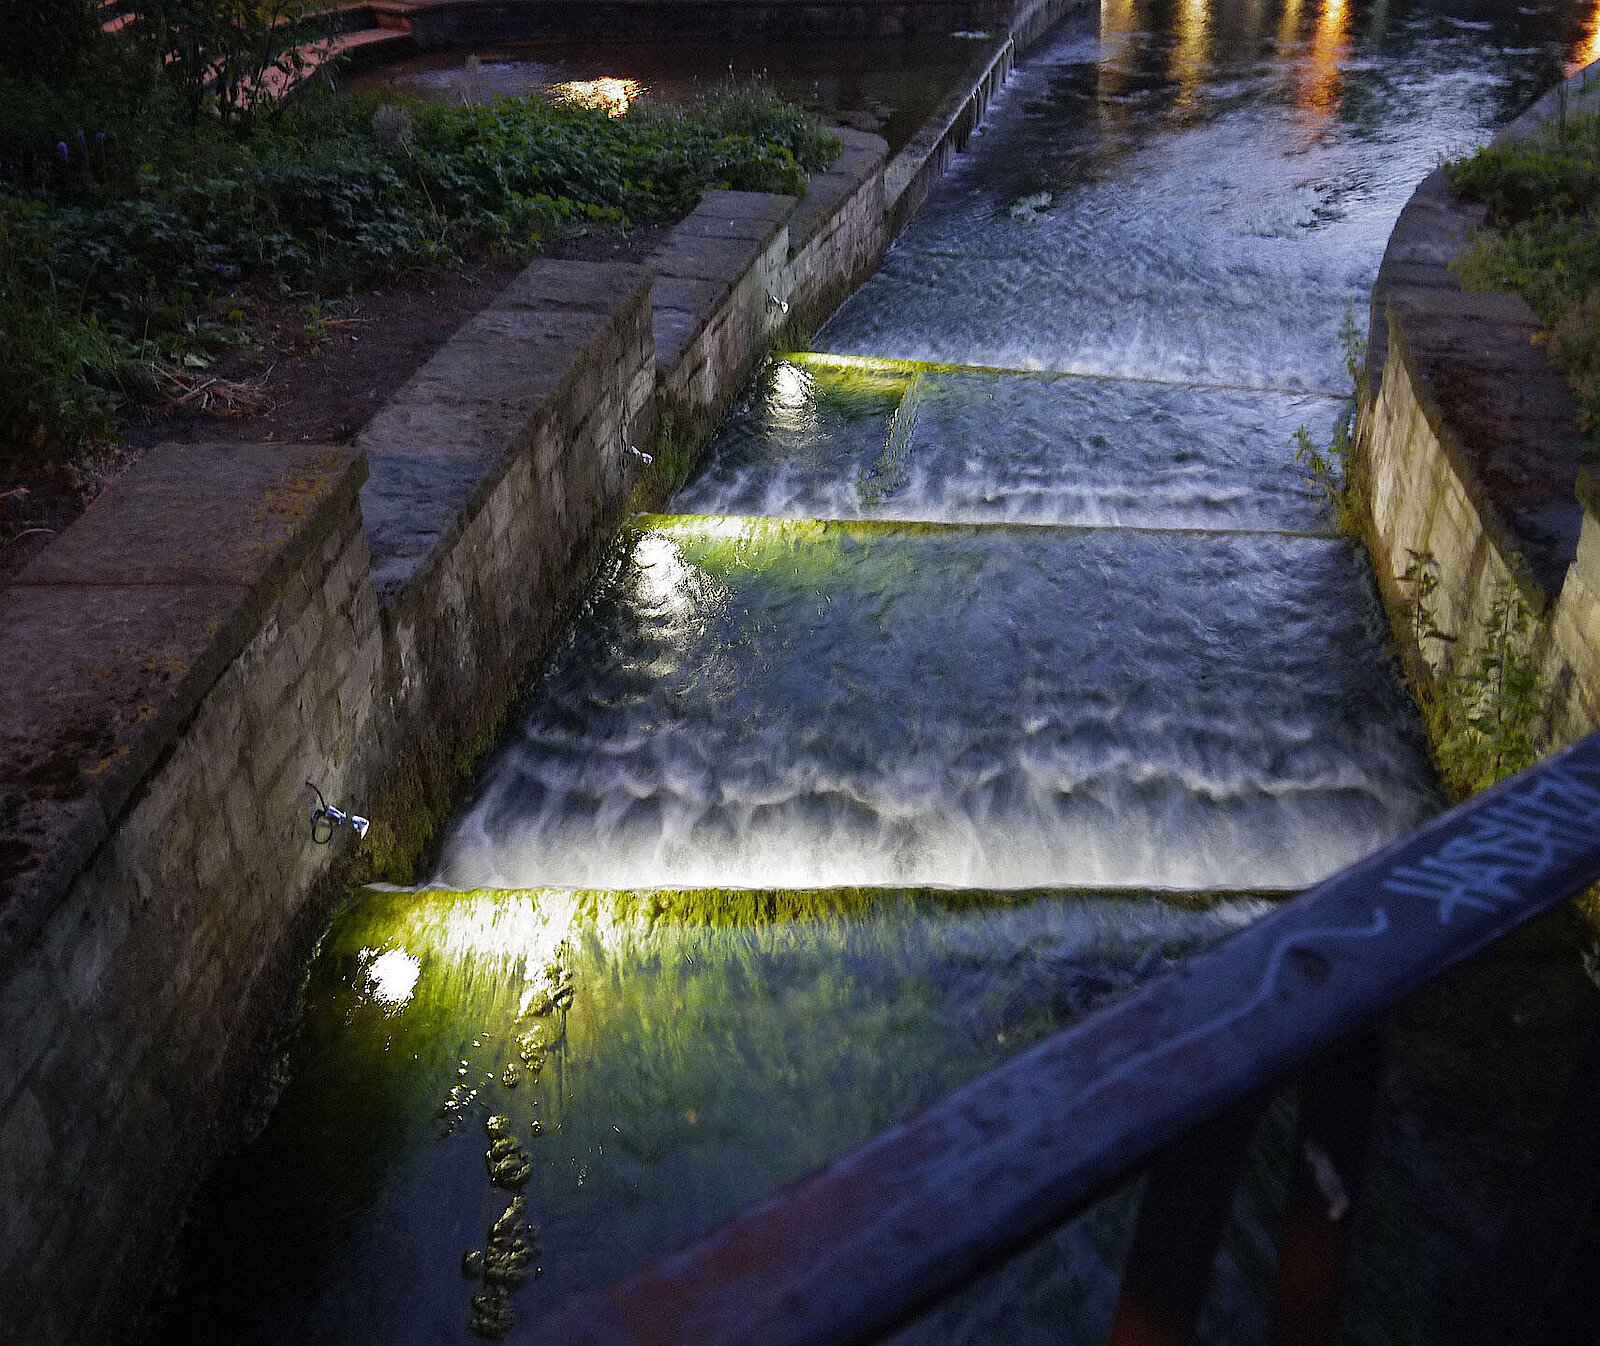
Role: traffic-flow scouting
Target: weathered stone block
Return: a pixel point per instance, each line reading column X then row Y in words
column 31, row 1013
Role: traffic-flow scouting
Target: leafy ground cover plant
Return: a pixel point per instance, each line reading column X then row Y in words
column 129, row 230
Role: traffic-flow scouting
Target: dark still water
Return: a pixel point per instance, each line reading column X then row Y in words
column 997, row 658
column 888, row 86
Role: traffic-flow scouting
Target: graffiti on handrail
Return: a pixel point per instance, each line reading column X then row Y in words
column 1508, row 844
column 1296, row 941
column 1512, row 842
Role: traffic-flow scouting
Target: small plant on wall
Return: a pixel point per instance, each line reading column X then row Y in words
column 1488, row 715
column 1330, row 472
column 1333, row 472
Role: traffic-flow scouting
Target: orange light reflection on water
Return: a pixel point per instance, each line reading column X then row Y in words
column 1190, row 53
column 1587, row 51
column 1323, row 73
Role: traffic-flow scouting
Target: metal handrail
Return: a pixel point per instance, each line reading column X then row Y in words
column 862, row 1245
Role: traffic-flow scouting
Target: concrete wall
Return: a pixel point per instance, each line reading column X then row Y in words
column 1468, row 441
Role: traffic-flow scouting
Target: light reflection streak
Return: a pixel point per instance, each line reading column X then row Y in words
column 1289, row 25
column 1588, row 50
column 1119, row 19
column 1323, row 72
column 1189, row 66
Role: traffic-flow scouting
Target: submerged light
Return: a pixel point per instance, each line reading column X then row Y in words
column 392, row 977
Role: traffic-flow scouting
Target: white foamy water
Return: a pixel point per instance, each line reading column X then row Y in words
column 816, row 439
column 753, row 702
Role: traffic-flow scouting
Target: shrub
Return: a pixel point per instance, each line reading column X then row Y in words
column 126, row 239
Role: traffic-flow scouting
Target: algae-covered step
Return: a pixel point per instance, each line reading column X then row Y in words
column 680, row 1054
column 758, row 701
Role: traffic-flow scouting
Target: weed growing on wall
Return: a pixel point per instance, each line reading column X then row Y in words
column 1419, row 581
column 1329, row 471
column 1488, row 715
column 1332, row 471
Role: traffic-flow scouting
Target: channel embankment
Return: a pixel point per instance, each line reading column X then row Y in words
column 229, row 622
column 1468, row 441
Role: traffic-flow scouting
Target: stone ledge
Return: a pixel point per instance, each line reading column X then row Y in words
column 698, row 268
column 859, row 158
column 110, row 639
column 1505, row 419
column 441, row 445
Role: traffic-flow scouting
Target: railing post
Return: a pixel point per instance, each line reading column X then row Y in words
column 1338, row 1100
column 1186, row 1200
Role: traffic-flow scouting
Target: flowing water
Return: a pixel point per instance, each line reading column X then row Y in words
column 997, row 657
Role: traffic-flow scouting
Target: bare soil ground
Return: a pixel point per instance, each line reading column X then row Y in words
column 308, row 374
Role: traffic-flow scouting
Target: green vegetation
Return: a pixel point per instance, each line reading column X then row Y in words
column 144, row 201
column 1333, row 472
column 1542, row 241
column 1488, row 714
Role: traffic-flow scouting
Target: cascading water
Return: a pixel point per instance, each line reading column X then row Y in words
column 1007, row 592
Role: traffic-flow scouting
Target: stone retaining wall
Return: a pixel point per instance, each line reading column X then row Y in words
column 228, row 622
column 170, row 678
column 1462, row 399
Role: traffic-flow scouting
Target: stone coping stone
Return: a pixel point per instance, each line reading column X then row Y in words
column 112, row 636
column 861, row 155
column 443, row 443
column 673, row 330
column 705, row 256
column 1508, row 415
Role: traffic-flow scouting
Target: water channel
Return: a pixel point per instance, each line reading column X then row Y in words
column 996, row 658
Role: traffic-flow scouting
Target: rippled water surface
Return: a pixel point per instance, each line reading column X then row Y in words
column 1007, row 597
column 753, row 701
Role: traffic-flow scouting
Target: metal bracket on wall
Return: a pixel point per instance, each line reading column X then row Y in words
column 326, row 819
